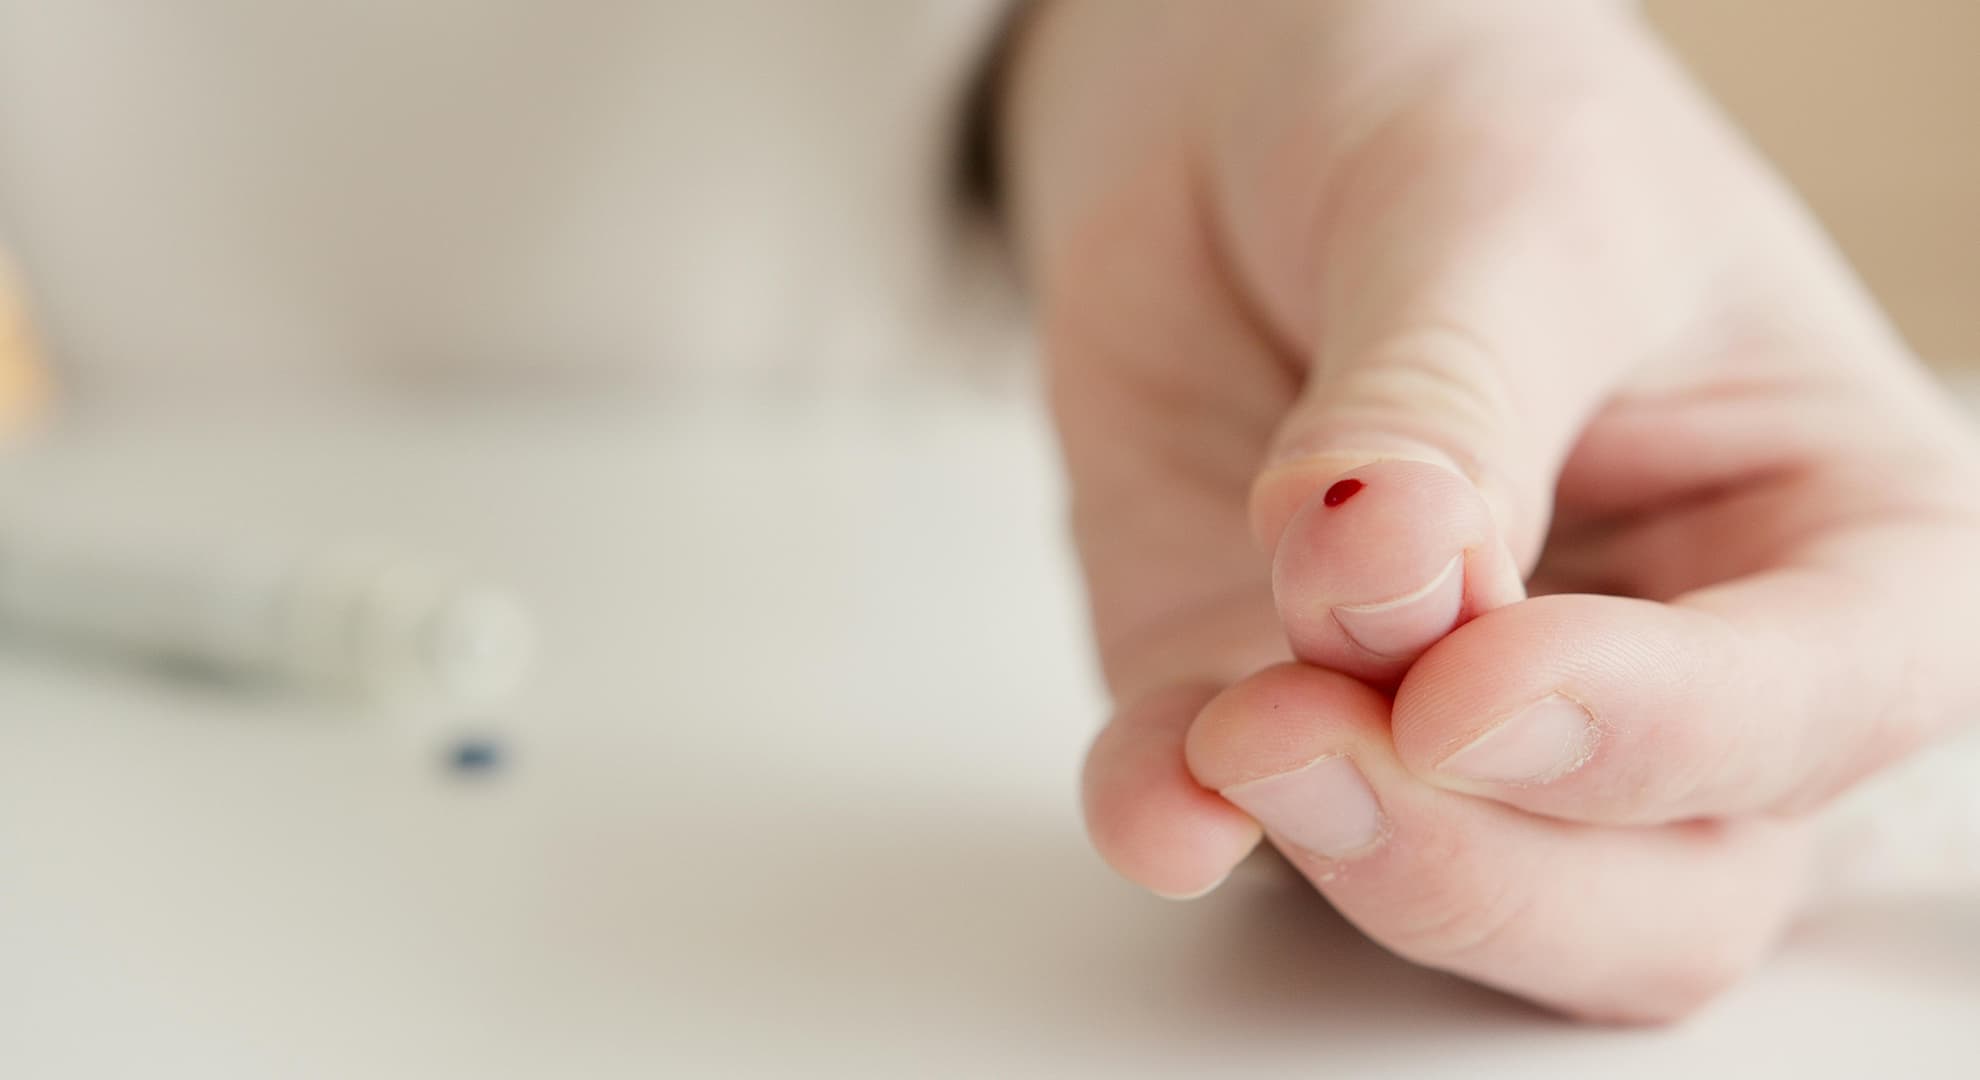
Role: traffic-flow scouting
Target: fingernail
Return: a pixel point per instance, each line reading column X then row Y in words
column 1544, row 741
column 1325, row 807
column 1198, row 894
column 1404, row 626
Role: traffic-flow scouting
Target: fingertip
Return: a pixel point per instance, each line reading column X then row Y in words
column 1147, row 816
column 1382, row 562
column 1278, row 721
column 1176, row 857
column 1281, row 490
column 1583, row 708
column 1476, row 678
column 1293, row 747
column 1514, row 900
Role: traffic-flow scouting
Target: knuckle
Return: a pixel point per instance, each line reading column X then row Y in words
column 1438, row 370
column 1443, row 387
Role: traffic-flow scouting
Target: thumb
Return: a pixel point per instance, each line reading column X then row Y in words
column 1410, row 486
column 1392, row 518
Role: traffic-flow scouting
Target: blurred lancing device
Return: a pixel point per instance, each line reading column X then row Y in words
column 351, row 620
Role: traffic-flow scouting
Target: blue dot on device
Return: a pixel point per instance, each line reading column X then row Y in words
column 475, row 755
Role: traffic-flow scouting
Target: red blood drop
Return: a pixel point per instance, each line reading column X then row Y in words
column 1342, row 491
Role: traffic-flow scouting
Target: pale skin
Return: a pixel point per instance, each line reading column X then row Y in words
column 1634, row 446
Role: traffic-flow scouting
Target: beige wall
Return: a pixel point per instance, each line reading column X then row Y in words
column 1872, row 108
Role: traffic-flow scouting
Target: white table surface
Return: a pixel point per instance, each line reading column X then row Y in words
column 792, row 795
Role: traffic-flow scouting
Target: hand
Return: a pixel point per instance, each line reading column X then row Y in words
column 1503, row 267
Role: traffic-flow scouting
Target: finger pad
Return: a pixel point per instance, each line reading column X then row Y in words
column 1374, row 569
column 1147, row 817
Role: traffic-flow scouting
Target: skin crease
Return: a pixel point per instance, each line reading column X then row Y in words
column 1698, row 487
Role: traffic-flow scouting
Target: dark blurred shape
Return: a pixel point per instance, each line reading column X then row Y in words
column 476, row 756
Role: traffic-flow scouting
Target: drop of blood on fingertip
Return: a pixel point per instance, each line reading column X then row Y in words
column 1342, row 491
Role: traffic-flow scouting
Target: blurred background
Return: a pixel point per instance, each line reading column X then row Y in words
column 790, row 789
column 1870, row 109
